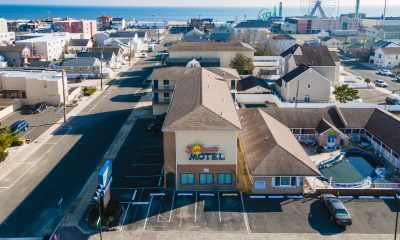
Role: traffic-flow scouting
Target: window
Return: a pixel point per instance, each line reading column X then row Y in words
column 285, row 182
column 233, row 84
column 187, row 178
column 225, row 178
column 166, row 95
column 309, row 86
column 206, row 178
column 259, row 185
column 307, row 99
column 166, row 82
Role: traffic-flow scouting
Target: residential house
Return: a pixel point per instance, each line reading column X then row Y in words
column 7, row 38
column 280, row 43
column 251, row 31
column 118, row 24
column 41, row 65
column 386, row 57
column 32, row 87
column 79, row 45
column 3, row 25
column 330, row 42
column 384, row 32
column 16, row 56
column 274, row 159
column 87, row 27
column 283, row 27
column 164, row 81
column 104, row 23
column 118, row 52
column 304, row 84
column 266, row 66
column 88, row 67
column 253, row 90
column 108, row 58
column 318, row 58
column 224, row 51
column 195, row 35
column 220, row 36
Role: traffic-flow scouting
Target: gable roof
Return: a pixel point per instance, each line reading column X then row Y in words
column 293, row 74
column 251, row 82
column 12, row 48
column 115, row 50
column 283, row 37
column 220, row 36
column 106, row 55
column 118, row 19
column 80, row 62
column 290, row 50
column 211, row 46
column 182, row 62
column 201, row 102
column 78, row 42
column 182, row 73
column 123, row 34
column 270, row 148
column 314, row 56
column 324, row 126
column 391, row 50
column 253, row 24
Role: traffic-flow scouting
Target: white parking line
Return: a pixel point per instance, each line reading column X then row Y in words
column 207, row 194
column 195, row 208
column 386, row 197
column 140, row 203
column 123, row 220
column 134, row 195
column 162, row 173
column 257, row 196
column 157, row 194
column 244, row 214
column 295, row 197
column 147, row 215
column 366, row 197
column 172, row 205
column 276, row 197
column 185, row 194
column 219, row 209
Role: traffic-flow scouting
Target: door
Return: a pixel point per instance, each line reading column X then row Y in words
column 170, row 180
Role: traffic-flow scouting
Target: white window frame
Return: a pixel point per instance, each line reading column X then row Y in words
column 285, row 186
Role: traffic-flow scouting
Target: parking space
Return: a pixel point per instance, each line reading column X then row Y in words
column 372, row 96
column 38, row 123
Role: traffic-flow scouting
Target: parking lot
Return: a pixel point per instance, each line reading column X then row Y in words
column 38, row 123
column 137, row 185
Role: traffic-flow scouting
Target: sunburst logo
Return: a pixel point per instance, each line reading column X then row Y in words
column 196, row 149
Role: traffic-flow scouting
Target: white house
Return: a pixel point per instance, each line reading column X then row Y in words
column 32, row 87
column 330, row 42
column 386, row 57
column 49, row 46
column 280, row 43
column 79, row 45
column 251, row 31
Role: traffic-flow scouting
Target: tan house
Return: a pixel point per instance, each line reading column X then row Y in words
column 318, row 58
column 276, row 162
column 200, row 134
column 386, row 57
column 304, row 84
column 164, row 81
column 224, row 51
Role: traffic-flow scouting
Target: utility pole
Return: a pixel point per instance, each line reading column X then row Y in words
column 397, row 215
column 101, row 70
column 64, row 98
column 130, row 51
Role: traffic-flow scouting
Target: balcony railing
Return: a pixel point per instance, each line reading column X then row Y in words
column 163, row 89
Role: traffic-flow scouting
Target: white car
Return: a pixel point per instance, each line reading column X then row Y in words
column 141, row 55
column 380, row 83
column 385, row 72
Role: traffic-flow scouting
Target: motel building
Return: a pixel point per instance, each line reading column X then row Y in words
column 202, row 131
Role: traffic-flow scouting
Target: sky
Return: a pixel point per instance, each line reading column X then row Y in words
column 228, row 3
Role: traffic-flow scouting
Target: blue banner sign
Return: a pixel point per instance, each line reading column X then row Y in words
column 105, row 173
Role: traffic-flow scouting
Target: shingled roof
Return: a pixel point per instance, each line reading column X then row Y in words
column 201, row 102
column 314, row 56
column 183, row 73
column 270, row 148
column 293, row 74
column 211, row 46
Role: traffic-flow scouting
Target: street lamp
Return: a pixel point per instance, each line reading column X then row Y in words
column 98, row 199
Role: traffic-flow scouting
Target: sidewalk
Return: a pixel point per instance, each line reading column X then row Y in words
column 168, row 235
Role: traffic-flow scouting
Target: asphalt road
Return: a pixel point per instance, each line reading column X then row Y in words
column 61, row 167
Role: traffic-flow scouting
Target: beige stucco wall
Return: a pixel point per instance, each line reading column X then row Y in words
column 224, row 140
column 318, row 92
column 224, row 56
column 269, row 189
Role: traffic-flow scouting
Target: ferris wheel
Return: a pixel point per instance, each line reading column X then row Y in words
column 319, row 8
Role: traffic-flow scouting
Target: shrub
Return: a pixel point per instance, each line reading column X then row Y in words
column 3, row 156
column 88, row 91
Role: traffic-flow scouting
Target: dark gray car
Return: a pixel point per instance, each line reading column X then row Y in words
column 339, row 214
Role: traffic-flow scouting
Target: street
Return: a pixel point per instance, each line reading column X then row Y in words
column 60, row 168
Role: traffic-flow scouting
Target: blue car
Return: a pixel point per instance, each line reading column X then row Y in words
column 19, row 126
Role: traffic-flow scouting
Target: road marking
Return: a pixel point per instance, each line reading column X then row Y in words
column 147, row 215
column 219, row 209
column 195, row 209
column 123, row 220
column 276, row 197
column 134, row 195
column 257, row 196
column 386, row 197
column 185, row 194
column 140, row 203
column 207, row 194
column 366, row 197
column 162, row 173
column 172, row 205
column 295, row 197
column 229, row 194
column 346, row 197
column 29, row 131
column 157, row 194
column 244, row 214
column 101, row 100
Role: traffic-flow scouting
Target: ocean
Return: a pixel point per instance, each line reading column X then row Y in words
column 162, row 13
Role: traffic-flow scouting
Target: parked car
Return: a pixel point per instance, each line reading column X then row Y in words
column 154, row 127
column 385, row 72
column 380, row 83
column 339, row 214
column 392, row 100
column 141, row 55
column 19, row 126
column 37, row 108
column 398, row 77
column 73, row 103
